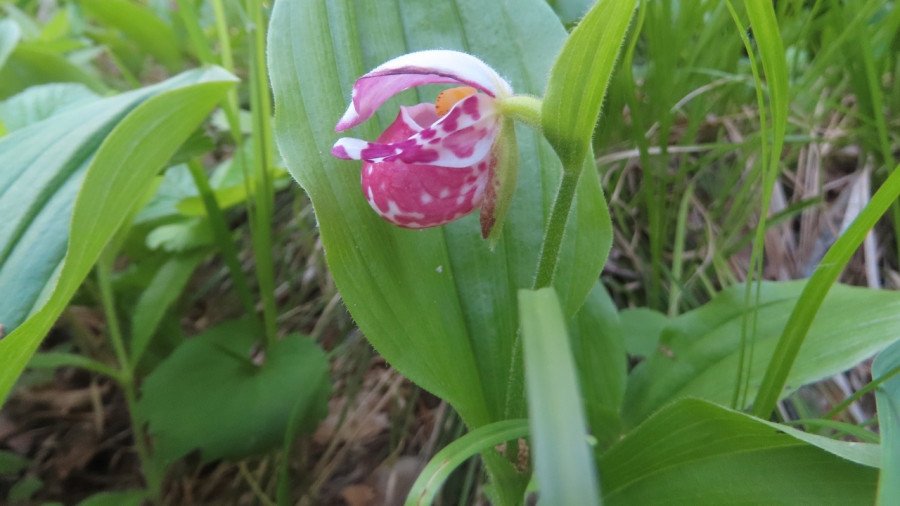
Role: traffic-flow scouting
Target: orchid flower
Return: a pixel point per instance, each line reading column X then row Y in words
column 436, row 162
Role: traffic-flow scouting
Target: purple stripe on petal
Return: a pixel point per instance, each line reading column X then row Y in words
column 459, row 139
column 416, row 69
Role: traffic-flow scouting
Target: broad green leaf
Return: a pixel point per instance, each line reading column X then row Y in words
column 209, row 395
column 699, row 350
column 140, row 24
column 887, row 397
column 562, row 458
column 439, row 468
column 43, row 168
column 9, row 37
column 579, row 79
column 439, row 304
column 789, row 354
column 31, row 63
column 38, row 103
column 601, row 362
column 641, row 328
column 693, row 452
column 84, row 150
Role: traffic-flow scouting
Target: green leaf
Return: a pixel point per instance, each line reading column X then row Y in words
column 55, row 359
column 601, row 363
column 182, row 236
column 155, row 300
column 641, row 328
column 699, row 350
column 9, row 37
column 439, row 468
column 570, row 11
column 85, row 150
column 11, row 463
column 438, row 304
column 788, row 353
column 579, row 79
column 693, row 452
column 123, row 498
column 31, row 63
column 887, row 397
column 38, row 103
column 22, row 491
column 208, row 395
column 140, row 24
column 562, row 458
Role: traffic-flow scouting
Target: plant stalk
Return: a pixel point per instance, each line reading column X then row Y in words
column 125, row 378
column 556, row 228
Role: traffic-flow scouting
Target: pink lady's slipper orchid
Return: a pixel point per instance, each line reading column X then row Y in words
column 436, row 162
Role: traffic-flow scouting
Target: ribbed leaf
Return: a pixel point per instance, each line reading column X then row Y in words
column 699, row 350
column 598, row 345
column 439, row 304
column 68, row 183
column 693, row 452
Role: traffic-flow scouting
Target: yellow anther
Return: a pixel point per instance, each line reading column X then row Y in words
column 449, row 97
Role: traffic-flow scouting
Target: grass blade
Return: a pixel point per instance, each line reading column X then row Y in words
column 814, row 293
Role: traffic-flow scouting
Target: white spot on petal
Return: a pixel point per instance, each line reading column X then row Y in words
column 425, row 198
column 445, row 192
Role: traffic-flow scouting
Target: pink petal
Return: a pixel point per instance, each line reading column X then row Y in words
column 461, row 138
column 418, row 195
column 436, row 66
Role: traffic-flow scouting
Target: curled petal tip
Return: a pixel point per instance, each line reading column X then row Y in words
column 339, row 151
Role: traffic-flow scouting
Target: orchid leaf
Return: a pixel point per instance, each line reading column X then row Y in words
column 694, row 452
column 40, row 102
column 579, row 79
column 699, row 350
column 438, row 304
column 68, row 183
column 598, row 344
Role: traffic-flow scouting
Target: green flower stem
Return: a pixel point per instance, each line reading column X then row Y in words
column 125, row 377
column 527, row 109
column 263, row 149
column 524, row 108
column 556, row 228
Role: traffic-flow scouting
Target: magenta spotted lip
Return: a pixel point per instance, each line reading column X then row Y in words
column 426, row 170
